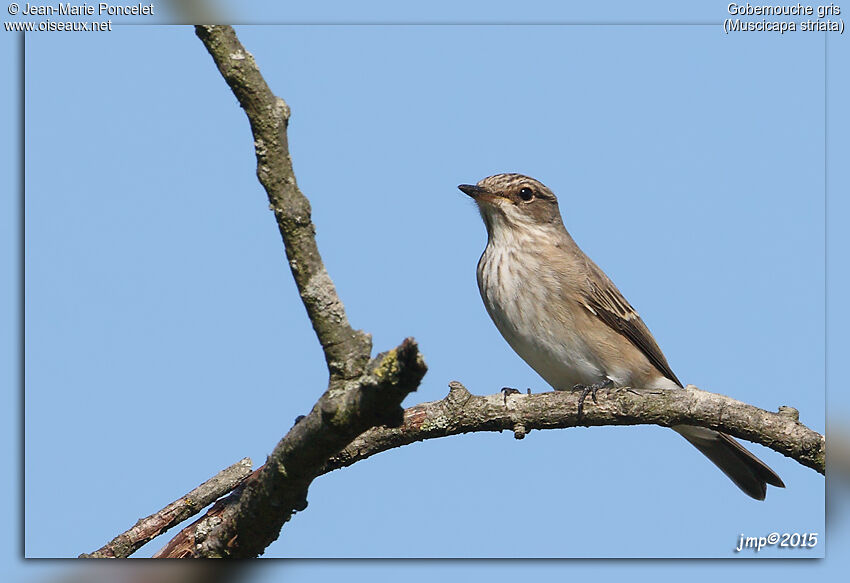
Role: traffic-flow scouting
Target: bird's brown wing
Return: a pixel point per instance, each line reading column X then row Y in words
column 604, row 299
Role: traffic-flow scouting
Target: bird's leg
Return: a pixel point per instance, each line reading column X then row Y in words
column 509, row 391
column 591, row 390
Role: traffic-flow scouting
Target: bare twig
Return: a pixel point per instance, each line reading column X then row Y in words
column 148, row 528
column 247, row 521
column 182, row 546
column 346, row 350
column 462, row 412
column 361, row 394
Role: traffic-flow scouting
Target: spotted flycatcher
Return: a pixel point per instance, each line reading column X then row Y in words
column 569, row 322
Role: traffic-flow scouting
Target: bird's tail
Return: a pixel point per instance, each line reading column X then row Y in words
column 748, row 472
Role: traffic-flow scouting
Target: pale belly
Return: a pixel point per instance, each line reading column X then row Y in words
column 543, row 335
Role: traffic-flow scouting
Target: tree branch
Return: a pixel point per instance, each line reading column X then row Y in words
column 247, row 521
column 361, row 393
column 462, row 412
column 346, row 350
column 146, row 529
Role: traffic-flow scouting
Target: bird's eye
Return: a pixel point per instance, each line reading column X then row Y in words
column 526, row 194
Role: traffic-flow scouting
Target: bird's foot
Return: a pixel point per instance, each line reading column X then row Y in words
column 590, row 390
column 509, row 391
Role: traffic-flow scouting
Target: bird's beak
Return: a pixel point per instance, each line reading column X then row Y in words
column 472, row 190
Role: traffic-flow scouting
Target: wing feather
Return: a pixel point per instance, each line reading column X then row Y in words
column 604, row 300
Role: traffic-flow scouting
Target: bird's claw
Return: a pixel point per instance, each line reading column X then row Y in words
column 589, row 390
column 585, row 389
column 509, row 391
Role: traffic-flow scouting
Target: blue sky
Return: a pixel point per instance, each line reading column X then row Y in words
column 165, row 339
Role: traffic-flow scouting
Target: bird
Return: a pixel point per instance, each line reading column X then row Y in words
column 568, row 321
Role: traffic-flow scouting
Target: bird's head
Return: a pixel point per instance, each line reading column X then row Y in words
column 514, row 202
